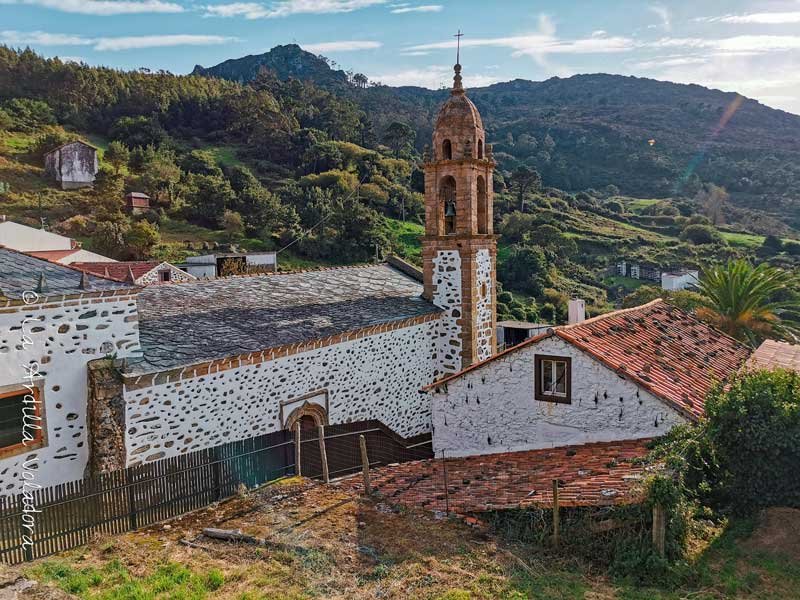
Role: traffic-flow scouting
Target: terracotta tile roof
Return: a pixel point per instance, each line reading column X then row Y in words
column 53, row 255
column 118, row 271
column 667, row 351
column 776, row 355
column 600, row 474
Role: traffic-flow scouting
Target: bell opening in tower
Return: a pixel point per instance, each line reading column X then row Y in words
column 448, row 202
column 447, row 150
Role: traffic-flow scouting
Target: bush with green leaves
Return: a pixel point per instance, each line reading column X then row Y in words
column 754, row 428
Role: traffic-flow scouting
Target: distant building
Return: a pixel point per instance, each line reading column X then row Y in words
column 140, row 272
column 73, row 165
column 679, row 280
column 511, row 333
column 210, row 266
column 44, row 244
column 137, row 202
column 772, row 354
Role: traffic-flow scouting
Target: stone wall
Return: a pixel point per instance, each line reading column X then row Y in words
column 74, row 165
column 492, row 408
column 372, row 377
column 176, row 275
column 106, row 417
column 64, row 335
column 447, row 295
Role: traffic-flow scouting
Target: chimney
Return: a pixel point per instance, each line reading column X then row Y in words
column 577, row 311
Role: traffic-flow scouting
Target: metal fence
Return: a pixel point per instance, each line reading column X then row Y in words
column 70, row 514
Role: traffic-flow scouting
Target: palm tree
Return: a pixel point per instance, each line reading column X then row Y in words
column 750, row 303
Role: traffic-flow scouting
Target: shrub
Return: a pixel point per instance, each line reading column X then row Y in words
column 701, row 234
column 754, row 426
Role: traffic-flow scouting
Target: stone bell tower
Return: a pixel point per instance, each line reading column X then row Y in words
column 459, row 248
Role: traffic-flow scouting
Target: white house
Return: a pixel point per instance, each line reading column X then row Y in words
column 630, row 374
column 45, row 244
column 209, row 266
column 679, row 280
column 73, row 165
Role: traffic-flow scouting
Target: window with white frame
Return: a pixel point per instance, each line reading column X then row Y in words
column 553, row 378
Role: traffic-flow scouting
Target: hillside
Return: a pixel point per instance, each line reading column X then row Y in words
column 590, row 131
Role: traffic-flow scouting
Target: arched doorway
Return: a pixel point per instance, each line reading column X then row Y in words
column 309, row 417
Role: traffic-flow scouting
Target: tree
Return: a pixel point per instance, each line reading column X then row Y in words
column 109, row 189
column 117, row 155
column 744, row 301
column 523, row 181
column 399, row 137
column 233, row 224
column 525, row 270
column 140, row 239
column 207, row 199
column 109, row 238
column 712, row 199
column 6, row 120
column 29, row 115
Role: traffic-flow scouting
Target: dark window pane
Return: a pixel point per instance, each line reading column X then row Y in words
column 11, row 420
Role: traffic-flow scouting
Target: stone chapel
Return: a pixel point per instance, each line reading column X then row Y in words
column 198, row 364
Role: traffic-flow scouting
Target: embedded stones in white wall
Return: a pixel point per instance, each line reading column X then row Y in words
column 448, row 296
column 175, row 275
column 374, row 377
column 493, row 408
column 485, row 282
column 63, row 340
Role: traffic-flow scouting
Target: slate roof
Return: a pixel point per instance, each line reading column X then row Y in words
column 773, row 354
column 20, row 273
column 598, row 474
column 668, row 352
column 117, row 270
column 189, row 323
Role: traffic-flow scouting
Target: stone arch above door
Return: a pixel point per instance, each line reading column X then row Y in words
column 313, row 405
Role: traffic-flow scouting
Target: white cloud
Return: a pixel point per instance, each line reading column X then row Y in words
column 425, row 8
column 112, row 44
column 343, row 46
column 248, row 10
column 285, row 8
column 104, row 8
column 42, row 38
column 764, row 18
column 758, row 44
column 541, row 43
column 415, row 53
column 432, row 77
column 662, row 12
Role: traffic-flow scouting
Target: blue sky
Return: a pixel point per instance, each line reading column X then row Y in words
column 736, row 45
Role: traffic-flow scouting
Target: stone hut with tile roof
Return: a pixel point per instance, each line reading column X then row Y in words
column 630, row 374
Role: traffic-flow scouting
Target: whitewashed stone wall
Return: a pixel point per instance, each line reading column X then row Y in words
column 63, row 340
column 374, row 377
column 153, row 277
column 493, row 409
column 448, row 296
column 485, row 281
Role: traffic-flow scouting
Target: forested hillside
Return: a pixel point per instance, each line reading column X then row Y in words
column 649, row 138
column 333, row 177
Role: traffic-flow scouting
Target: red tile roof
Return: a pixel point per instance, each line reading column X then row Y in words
column 599, row 474
column 773, row 354
column 53, row 255
column 663, row 349
column 118, row 271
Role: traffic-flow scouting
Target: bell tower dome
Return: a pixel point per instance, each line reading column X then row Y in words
column 459, row 248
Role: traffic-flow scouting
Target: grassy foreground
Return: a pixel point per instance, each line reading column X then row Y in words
column 325, row 542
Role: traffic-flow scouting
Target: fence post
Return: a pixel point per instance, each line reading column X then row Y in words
column 365, row 464
column 556, row 516
column 446, row 491
column 132, row 518
column 216, row 469
column 323, row 455
column 298, row 469
column 659, row 529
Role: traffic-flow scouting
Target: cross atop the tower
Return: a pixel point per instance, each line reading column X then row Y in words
column 458, row 37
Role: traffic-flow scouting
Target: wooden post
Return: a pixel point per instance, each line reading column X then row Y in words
column 323, row 455
column 298, row 470
column 365, row 464
column 659, row 529
column 556, row 516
